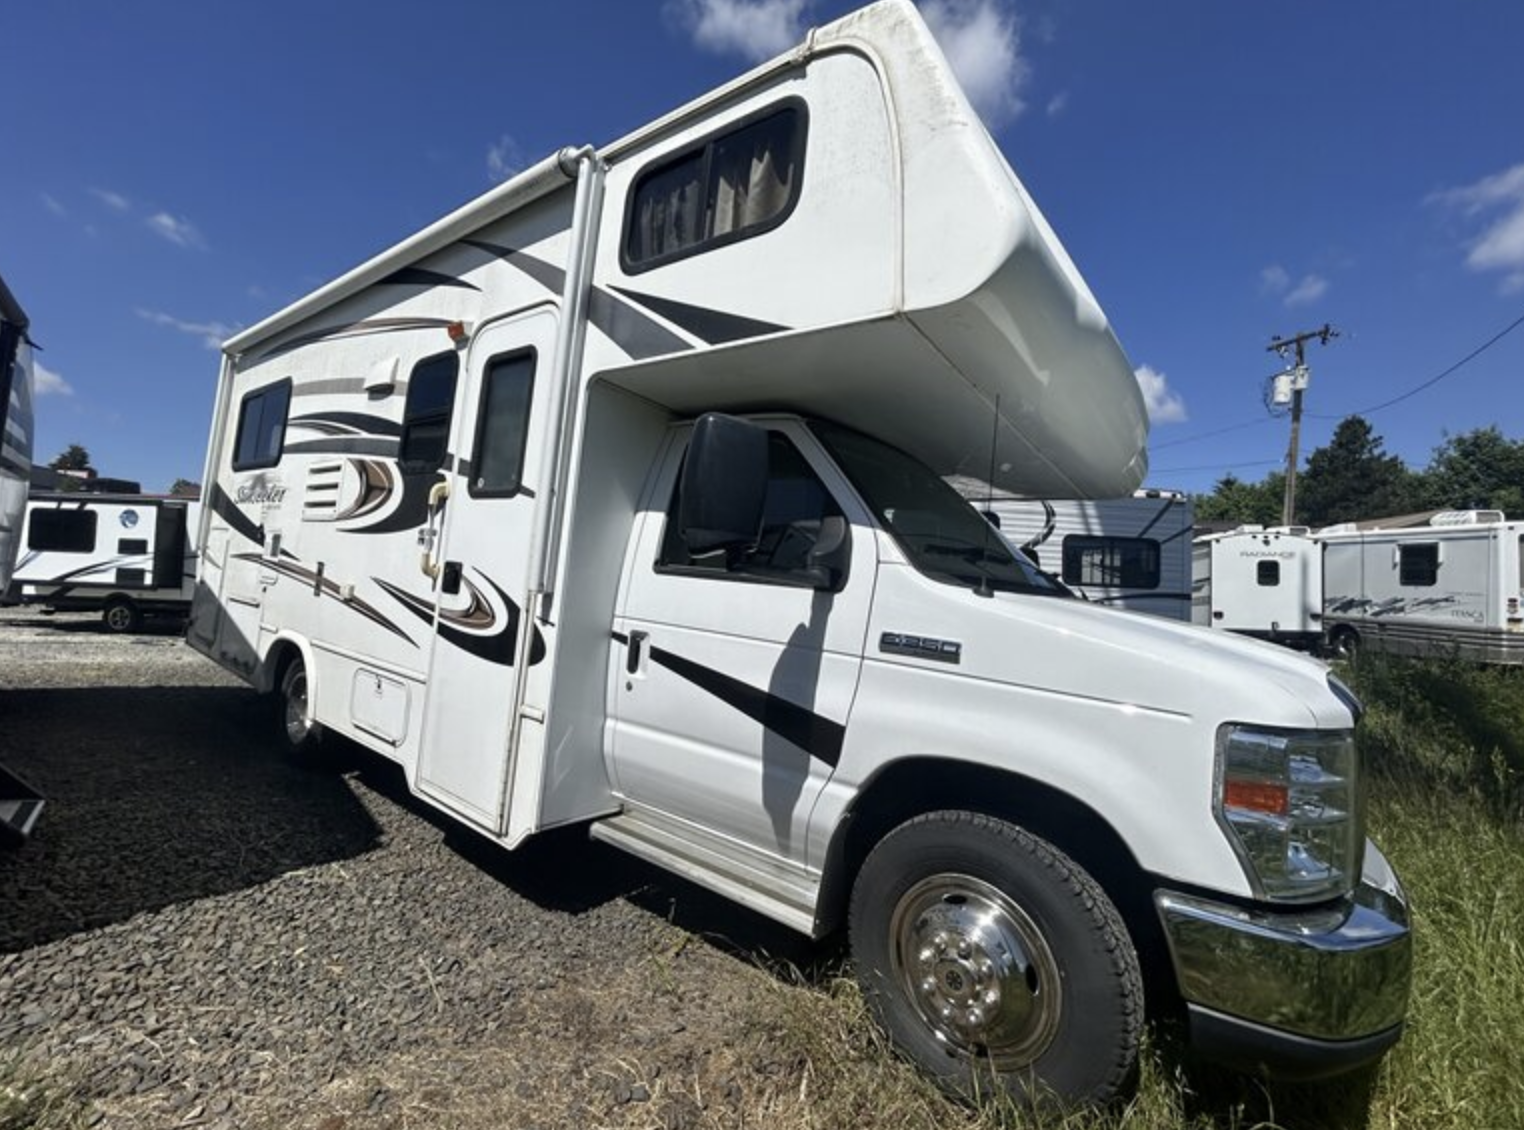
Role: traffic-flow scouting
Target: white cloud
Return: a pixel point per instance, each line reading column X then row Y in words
column 179, row 231
column 1058, row 103
column 49, row 383
column 982, row 42
column 753, row 29
column 1309, row 290
column 212, row 334
column 113, row 200
column 504, row 158
column 52, row 205
column 1164, row 406
column 1498, row 202
column 1274, row 279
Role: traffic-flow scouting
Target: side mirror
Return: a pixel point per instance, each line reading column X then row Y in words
column 724, row 485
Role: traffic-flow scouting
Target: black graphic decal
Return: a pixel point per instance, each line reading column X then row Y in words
column 418, row 276
column 325, row 586
column 819, row 737
column 475, row 629
column 230, row 512
column 355, row 329
column 411, row 512
column 341, row 423
column 714, row 326
column 344, row 445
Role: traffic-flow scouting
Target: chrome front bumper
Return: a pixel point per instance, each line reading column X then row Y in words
column 1295, row 992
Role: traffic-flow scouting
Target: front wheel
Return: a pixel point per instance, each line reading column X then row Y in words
column 994, row 960
column 303, row 733
column 121, row 616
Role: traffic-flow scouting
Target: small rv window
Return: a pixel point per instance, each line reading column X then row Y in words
column 796, row 503
column 262, row 427
column 1128, row 563
column 426, row 416
column 729, row 187
column 502, row 425
column 1418, row 565
column 1268, row 573
column 61, row 531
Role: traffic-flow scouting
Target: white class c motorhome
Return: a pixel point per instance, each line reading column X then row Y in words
column 617, row 498
column 1450, row 587
column 124, row 556
column 1265, row 583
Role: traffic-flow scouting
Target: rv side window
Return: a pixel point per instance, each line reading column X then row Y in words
column 797, row 502
column 1418, row 565
column 1268, row 573
column 62, row 531
column 1129, row 563
column 729, row 187
column 262, row 427
column 502, row 425
column 426, row 416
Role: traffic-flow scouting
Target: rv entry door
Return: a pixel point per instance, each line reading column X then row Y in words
column 474, row 553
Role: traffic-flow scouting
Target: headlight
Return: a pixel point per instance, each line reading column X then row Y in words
column 1291, row 806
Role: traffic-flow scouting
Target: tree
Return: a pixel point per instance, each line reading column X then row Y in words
column 185, row 488
column 1477, row 470
column 1233, row 500
column 72, row 458
column 1352, row 478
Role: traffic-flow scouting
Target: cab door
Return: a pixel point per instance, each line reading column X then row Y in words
column 475, row 552
column 732, row 681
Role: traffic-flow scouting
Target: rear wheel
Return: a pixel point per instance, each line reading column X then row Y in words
column 121, row 615
column 302, row 732
column 1345, row 642
column 993, row 960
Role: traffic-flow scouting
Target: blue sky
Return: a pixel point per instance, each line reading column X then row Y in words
column 1221, row 173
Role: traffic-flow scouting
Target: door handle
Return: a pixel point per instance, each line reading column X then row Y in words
column 428, row 537
column 633, row 655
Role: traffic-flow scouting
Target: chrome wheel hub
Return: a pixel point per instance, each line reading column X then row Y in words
column 977, row 969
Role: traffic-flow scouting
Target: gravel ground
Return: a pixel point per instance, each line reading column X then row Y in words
column 203, row 933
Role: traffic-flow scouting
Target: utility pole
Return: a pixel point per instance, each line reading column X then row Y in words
column 1296, row 385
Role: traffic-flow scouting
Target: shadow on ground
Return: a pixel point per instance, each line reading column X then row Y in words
column 157, row 795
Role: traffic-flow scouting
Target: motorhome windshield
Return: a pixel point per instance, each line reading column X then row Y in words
column 942, row 535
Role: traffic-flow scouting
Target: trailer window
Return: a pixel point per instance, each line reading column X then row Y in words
column 796, row 504
column 62, row 531
column 1126, row 563
column 502, row 425
column 1267, row 574
column 426, row 415
column 1418, row 565
column 727, row 188
column 262, row 427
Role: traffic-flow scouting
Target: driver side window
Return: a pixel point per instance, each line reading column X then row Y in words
column 796, row 507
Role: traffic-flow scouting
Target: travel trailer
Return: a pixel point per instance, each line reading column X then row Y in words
column 1266, row 583
column 20, row 804
column 617, row 498
column 1450, row 587
column 124, row 556
column 1132, row 552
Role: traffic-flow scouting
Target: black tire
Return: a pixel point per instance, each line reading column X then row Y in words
column 1345, row 643
column 122, row 616
column 302, row 734
column 994, row 961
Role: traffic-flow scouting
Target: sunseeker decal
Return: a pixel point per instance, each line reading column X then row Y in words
column 323, row 586
column 474, row 628
column 820, row 737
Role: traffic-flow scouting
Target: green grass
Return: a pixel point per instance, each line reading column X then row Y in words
column 1446, row 793
column 30, row 1102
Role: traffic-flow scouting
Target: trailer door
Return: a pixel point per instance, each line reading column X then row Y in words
column 477, row 540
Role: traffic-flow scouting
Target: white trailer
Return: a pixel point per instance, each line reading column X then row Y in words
column 1132, row 552
column 1452, row 587
column 617, row 498
column 1266, row 583
column 124, row 556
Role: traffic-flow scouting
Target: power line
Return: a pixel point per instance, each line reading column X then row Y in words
column 1216, row 466
column 1209, row 435
column 1432, row 381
